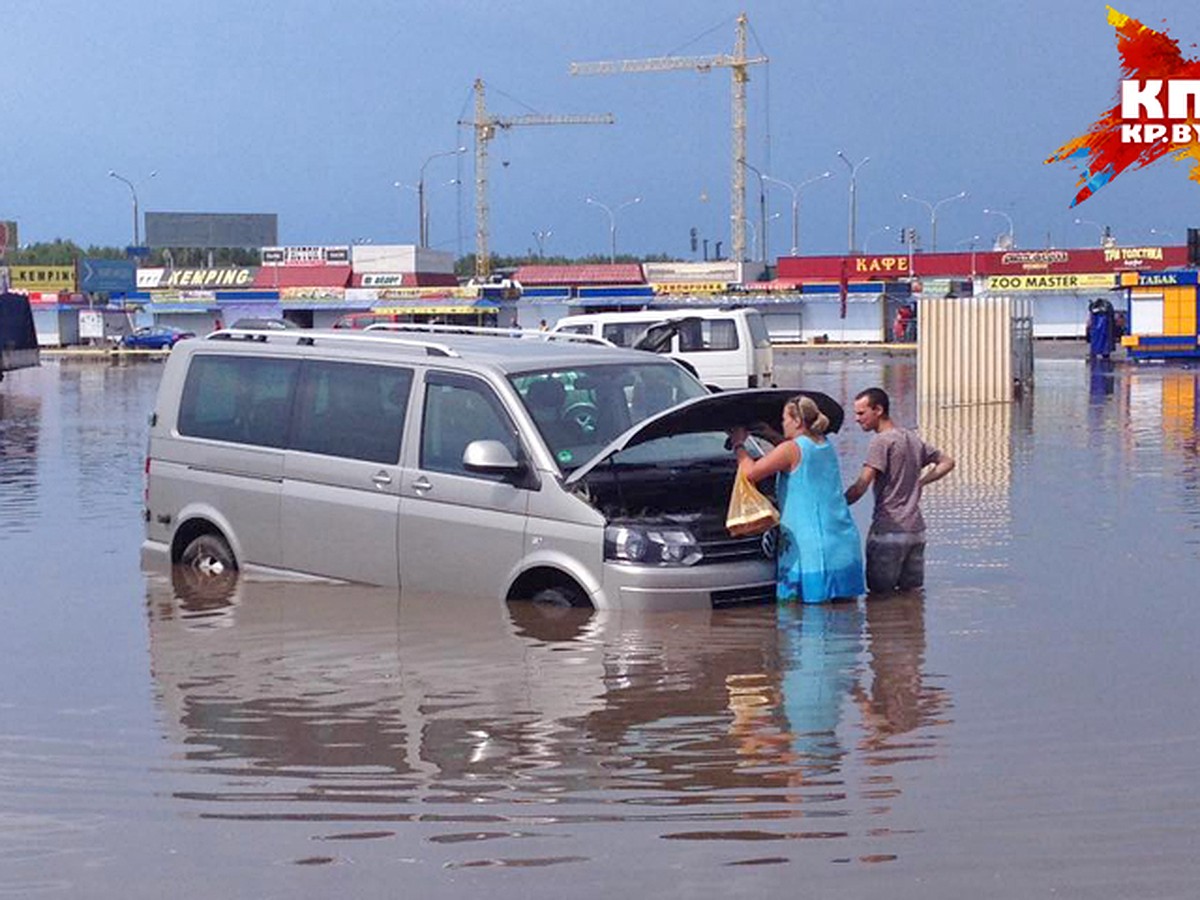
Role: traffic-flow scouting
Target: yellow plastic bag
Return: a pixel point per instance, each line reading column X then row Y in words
column 749, row 511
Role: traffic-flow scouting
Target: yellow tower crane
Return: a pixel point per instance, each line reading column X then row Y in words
column 485, row 125
column 738, row 65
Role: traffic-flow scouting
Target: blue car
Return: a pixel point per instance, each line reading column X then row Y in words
column 155, row 337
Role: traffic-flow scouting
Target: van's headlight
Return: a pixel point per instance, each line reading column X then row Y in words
column 651, row 546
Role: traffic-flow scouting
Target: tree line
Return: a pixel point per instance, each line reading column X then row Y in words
column 60, row 252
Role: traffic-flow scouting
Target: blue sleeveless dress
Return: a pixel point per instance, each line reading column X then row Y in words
column 820, row 552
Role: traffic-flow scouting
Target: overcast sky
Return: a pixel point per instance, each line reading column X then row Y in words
column 313, row 110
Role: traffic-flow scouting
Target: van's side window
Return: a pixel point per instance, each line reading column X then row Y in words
column 709, row 334
column 352, row 410
column 241, row 399
column 623, row 334
column 460, row 409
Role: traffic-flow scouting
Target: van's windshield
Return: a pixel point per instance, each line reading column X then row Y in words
column 581, row 410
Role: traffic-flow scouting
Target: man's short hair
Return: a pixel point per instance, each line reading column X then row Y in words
column 875, row 396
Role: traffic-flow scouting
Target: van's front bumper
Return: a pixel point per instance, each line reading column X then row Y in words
column 628, row 586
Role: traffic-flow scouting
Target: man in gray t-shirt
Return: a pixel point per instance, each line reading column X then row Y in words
column 896, row 465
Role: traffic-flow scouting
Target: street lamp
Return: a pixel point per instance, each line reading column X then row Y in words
column 853, row 167
column 1158, row 232
column 422, row 215
column 973, row 240
column 541, row 237
column 1104, row 231
column 612, row 222
column 933, row 208
column 796, row 189
column 133, row 193
column 1012, row 241
column 762, row 211
column 867, row 240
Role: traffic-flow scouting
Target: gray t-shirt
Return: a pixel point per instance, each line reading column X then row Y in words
column 898, row 456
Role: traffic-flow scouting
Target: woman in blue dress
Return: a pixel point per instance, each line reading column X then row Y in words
column 820, row 553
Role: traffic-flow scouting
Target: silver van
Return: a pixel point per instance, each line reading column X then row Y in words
column 725, row 347
column 454, row 464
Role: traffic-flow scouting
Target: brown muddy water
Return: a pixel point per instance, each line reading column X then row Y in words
column 1028, row 727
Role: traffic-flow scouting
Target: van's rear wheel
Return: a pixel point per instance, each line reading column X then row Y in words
column 562, row 596
column 208, row 554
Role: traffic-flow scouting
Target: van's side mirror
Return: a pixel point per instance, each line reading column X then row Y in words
column 490, row 457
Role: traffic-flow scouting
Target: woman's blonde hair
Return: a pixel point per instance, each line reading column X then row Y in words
column 805, row 409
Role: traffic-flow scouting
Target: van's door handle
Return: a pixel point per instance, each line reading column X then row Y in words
column 422, row 484
column 381, row 478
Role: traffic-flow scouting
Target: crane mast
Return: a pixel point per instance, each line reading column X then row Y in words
column 738, row 64
column 485, row 126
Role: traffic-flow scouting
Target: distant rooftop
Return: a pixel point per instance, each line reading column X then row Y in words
column 619, row 273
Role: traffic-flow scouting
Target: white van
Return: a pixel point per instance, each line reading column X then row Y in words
column 725, row 348
column 454, row 465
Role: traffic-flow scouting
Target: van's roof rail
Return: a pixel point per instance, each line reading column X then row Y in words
column 491, row 331
column 309, row 338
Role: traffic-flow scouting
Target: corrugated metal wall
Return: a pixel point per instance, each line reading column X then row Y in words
column 972, row 349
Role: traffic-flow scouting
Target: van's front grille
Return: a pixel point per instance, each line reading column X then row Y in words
column 755, row 593
column 720, row 547
column 731, row 549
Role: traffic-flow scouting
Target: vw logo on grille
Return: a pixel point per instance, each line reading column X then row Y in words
column 770, row 541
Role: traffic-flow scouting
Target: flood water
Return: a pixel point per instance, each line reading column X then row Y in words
column 1027, row 727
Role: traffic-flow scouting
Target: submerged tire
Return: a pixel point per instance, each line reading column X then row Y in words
column 208, row 554
column 562, row 596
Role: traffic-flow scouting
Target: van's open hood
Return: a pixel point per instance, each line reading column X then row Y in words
column 713, row 412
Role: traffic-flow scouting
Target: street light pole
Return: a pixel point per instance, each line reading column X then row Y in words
column 796, row 189
column 1102, row 229
column 867, row 239
column 422, row 215
column 853, row 167
column 933, row 208
column 133, row 193
column 762, row 212
column 541, row 237
column 753, row 235
column 612, row 222
column 973, row 240
column 1012, row 242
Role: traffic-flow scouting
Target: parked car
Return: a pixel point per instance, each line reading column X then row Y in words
column 726, row 348
column 463, row 465
column 264, row 324
column 155, row 337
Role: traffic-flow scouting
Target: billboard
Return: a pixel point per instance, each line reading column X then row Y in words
column 8, row 236
column 305, row 256
column 42, row 279
column 211, row 231
column 107, row 275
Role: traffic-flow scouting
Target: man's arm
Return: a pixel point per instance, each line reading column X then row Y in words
column 865, row 479
column 943, row 467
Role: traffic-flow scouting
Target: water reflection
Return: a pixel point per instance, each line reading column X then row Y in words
column 971, row 510
column 20, row 426
column 355, row 711
column 900, row 699
column 1159, row 425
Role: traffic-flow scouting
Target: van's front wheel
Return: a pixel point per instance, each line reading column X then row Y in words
column 562, row 596
column 208, row 554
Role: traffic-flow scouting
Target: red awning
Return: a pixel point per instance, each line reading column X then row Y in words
column 619, row 273
column 302, row 276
